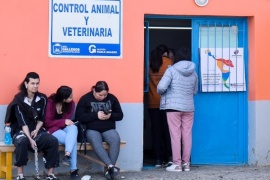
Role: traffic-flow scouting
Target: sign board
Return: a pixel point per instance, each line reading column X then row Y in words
column 85, row 28
column 222, row 69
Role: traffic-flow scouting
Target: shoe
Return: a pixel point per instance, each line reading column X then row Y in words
column 112, row 172
column 66, row 160
column 74, row 174
column 158, row 163
column 167, row 164
column 174, row 167
column 20, row 178
column 186, row 166
column 51, row 177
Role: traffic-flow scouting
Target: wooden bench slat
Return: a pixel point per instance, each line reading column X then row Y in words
column 6, row 152
column 10, row 148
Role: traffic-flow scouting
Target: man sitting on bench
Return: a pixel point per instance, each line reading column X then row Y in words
column 26, row 115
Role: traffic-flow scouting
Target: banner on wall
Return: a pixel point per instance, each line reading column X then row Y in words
column 85, row 28
column 222, row 69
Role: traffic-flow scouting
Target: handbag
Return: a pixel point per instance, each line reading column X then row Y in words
column 81, row 137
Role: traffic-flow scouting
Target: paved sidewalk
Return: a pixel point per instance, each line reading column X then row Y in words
column 196, row 173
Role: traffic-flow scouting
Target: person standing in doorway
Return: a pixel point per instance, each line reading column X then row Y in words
column 28, row 108
column 161, row 142
column 177, row 89
column 59, row 111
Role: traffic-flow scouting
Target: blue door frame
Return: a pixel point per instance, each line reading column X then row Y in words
column 220, row 124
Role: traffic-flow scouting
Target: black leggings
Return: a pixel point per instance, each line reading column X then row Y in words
column 96, row 139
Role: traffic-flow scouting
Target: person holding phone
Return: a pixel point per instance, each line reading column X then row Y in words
column 99, row 110
column 59, row 111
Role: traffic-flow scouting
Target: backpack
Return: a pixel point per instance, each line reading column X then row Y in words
column 10, row 119
column 81, row 138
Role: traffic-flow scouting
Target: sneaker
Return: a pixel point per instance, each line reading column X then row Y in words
column 20, row 178
column 66, row 160
column 112, row 172
column 74, row 174
column 51, row 177
column 158, row 163
column 186, row 166
column 169, row 164
column 174, row 167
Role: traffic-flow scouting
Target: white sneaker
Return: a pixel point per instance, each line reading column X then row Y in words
column 186, row 166
column 174, row 167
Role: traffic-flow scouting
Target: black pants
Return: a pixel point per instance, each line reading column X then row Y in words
column 161, row 141
column 46, row 143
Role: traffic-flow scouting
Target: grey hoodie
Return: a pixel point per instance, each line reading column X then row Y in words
column 178, row 86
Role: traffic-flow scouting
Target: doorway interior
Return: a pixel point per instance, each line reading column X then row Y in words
column 174, row 33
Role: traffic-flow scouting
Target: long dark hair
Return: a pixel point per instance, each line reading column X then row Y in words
column 29, row 75
column 62, row 93
column 100, row 86
column 156, row 57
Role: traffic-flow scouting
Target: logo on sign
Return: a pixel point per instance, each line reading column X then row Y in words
column 57, row 48
column 92, row 49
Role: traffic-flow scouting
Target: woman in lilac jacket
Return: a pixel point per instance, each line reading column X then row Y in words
column 59, row 111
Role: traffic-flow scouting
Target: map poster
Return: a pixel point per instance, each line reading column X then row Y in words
column 222, row 69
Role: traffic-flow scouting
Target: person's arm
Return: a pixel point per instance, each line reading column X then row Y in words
column 38, row 126
column 165, row 82
column 117, row 113
column 41, row 115
column 67, row 116
column 22, row 121
column 84, row 111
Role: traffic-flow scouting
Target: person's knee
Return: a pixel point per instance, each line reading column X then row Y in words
column 53, row 140
column 73, row 129
column 21, row 141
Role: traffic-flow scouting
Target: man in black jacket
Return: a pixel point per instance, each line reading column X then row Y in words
column 25, row 114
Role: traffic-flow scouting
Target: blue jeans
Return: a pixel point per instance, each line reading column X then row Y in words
column 68, row 137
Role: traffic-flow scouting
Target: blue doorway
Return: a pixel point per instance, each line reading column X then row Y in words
column 220, row 124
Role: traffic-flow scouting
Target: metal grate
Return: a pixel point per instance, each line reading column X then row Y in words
column 222, row 61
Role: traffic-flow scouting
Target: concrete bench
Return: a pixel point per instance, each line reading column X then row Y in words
column 6, row 152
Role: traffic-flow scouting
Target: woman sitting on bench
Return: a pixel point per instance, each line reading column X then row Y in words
column 99, row 110
column 60, row 108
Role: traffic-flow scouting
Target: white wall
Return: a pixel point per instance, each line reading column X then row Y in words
column 259, row 133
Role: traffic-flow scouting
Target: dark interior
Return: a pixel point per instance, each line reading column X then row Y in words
column 174, row 33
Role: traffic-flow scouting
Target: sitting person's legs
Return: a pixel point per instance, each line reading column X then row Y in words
column 95, row 139
column 113, row 139
column 48, row 144
column 22, row 144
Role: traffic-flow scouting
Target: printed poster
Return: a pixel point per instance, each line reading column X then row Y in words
column 222, row 69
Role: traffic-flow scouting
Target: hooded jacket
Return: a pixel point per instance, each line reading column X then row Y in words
column 178, row 86
column 20, row 112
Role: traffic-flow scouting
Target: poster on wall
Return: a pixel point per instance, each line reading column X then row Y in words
column 222, row 69
column 85, row 28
